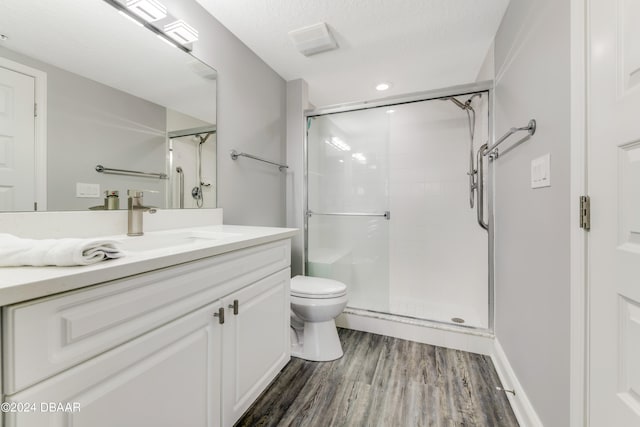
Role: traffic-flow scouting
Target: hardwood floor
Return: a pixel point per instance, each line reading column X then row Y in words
column 384, row 381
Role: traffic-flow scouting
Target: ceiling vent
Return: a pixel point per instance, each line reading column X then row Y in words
column 313, row 39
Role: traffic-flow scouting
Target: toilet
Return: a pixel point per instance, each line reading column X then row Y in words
column 315, row 303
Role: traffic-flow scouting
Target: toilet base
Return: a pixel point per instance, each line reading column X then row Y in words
column 317, row 341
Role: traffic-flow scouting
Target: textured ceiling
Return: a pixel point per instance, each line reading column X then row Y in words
column 414, row 44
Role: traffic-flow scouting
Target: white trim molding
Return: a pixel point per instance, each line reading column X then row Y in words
column 520, row 403
column 439, row 334
column 40, row 122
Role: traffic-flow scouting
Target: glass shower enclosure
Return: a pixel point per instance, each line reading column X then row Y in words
column 388, row 208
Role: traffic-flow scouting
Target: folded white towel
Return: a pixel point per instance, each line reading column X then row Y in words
column 15, row 251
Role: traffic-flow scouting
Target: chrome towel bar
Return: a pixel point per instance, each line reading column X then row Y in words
column 102, row 169
column 235, row 155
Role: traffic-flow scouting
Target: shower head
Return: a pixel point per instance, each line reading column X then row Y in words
column 468, row 102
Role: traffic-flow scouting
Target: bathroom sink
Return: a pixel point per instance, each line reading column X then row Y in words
column 163, row 240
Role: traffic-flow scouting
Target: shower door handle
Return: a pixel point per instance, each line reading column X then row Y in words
column 386, row 215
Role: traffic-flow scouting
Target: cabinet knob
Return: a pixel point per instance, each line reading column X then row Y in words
column 235, row 306
column 220, row 315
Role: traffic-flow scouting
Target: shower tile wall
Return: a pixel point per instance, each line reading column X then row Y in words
column 430, row 260
column 438, row 253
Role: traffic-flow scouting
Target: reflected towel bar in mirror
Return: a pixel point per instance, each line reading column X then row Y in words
column 102, row 169
column 235, row 155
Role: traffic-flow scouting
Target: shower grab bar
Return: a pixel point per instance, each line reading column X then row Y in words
column 492, row 150
column 181, row 173
column 386, row 214
column 480, row 186
column 102, row 169
column 235, row 155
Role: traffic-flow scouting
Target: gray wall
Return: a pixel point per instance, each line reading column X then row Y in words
column 89, row 123
column 251, row 118
column 532, row 50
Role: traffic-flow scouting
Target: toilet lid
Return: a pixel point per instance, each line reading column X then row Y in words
column 316, row 287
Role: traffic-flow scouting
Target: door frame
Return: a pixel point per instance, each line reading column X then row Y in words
column 579, row 240
column 40, row 130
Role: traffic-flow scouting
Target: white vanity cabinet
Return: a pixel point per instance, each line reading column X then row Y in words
column 167, row 377
column 255, row 342
column 152, row 349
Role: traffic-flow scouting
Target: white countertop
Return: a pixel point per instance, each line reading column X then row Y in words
column 25, row 283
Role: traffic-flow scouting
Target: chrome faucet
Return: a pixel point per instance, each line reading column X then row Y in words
column 135, row 210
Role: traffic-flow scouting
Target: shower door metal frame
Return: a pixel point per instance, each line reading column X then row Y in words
column 468, row 89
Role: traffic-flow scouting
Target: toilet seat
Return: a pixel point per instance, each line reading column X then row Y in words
column 317, row 287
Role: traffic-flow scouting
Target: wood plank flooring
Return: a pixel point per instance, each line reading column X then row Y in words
column 386, row 382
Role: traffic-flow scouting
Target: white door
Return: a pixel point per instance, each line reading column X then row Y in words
column 17, row 141
column 255, row 342
column 614, row 187
column 166, row 378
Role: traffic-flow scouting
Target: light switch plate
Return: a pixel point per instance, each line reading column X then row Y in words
column 541, row 172
column 84, row 190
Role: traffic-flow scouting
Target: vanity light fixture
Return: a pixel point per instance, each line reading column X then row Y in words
column 149, row 10
column 181, row 32
column 383, row 86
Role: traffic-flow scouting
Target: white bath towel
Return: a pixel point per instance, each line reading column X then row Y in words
column 15, row 251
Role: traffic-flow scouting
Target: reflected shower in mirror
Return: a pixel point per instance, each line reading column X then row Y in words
column 104, row 92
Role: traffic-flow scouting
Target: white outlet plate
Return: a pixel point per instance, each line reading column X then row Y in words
column 541, row 172
column 90, row 191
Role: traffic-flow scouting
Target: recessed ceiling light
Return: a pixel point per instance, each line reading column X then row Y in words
column 391, row 111
column 383, row 86
column 4, row 37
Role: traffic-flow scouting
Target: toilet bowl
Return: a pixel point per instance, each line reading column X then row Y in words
column 315, row 303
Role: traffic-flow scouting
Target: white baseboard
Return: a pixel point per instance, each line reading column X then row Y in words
column 465, row 339
column 522, row 408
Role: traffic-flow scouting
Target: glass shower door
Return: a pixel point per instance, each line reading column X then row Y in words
column 348, row 204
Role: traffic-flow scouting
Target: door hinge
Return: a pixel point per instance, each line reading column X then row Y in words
column 35, row 110
column 585, row 213
column 35, row 206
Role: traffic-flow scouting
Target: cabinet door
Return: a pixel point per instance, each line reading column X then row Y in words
column 167, row 377
column 255, row 342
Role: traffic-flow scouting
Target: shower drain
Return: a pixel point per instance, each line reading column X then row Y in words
column 457, row 320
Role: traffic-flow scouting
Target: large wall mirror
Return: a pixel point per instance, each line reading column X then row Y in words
column 88, row 99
